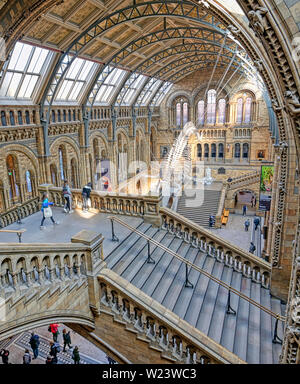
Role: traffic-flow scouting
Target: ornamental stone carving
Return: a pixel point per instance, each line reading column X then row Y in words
column 258, row 21
column 293, row 103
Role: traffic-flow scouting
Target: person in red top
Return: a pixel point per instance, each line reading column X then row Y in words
column 54, row 330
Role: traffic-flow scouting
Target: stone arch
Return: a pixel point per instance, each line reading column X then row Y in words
column 173, row 95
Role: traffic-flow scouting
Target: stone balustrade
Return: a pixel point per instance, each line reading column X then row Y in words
column 19, row 211
column 165, row 332
column 241, row 261
column 146, row 207
column 243, row 180
column 24, row 266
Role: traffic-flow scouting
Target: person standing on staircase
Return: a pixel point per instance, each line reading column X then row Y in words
column 67, row 339
column 4, row 353
column 54, row 350
column 244, row 210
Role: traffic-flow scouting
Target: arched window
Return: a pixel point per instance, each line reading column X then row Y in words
column 20, row 119
column 206, row 151
column 248, row 105
column 239, row 111
column 245, row 151
column 199, row 150
column 53, row 116
column 69, row 115
column 201, row 112
column 185, row 113
column 3, row 119
column 178, row 114
column 33, row 117
column 59, row 116
column 61, row 164
column 222, row 111
column 211, row 107
column 221, row 151
column 12, row 118
column 213, row 150
column 12, row 177
column 28, row 181
column 237, row 151
column 64, row 115
column 27, row 117
column 74, row 114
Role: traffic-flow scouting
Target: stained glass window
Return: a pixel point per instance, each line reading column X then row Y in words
column 222, row 111
column 178, row 114
column 211, row 107
column 185, row 113
column 248, row 110
column 239, row 111
column 201, row 112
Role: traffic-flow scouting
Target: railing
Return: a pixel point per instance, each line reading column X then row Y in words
column 25, row 266
column 18, row 232
column 243, row 180
column 188, row 263
column 165, row 332
column 130, row 205
column 19, row 211
column 249, row 265
column 218, row 221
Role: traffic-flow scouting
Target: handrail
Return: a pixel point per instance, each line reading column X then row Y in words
column 19, row 232
column 216, row 280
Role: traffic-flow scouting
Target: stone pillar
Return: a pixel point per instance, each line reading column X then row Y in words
column 94, row 263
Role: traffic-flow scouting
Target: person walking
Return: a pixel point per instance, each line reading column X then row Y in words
column 252, row 248
column 247, row 225
column 244, row 210
column 46, row 210
column 4, row 354
column 34, row 343
column 75, row 355
column 53, row 328
column 256, row 223
column 26, row 357
column 67, row 340
column 54, row 350
column 86, row 192
column 68, row 197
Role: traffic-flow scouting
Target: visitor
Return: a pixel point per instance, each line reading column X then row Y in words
column 244, row 210
column 4, row 354
column 252, row 248
column 68, row 197
column 86, row 192
column 247, row 225
column 34, row 343
column 253, row 201
column 211, row 221
column 49, row 360
column 26, row 357
column 110, row 360
column 67, row 340
column 46, row 210
column 256, row 223
column 53, row 328
column 75, row 355
column 54, row 350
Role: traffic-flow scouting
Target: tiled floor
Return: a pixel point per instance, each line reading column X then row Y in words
column 89, row 353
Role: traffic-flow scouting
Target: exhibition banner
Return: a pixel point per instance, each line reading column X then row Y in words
column 265, row 193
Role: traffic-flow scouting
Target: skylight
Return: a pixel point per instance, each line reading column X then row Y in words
column 23, row 71
column 109, row 86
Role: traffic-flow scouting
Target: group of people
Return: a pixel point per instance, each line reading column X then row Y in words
column 256, row 223
column 54, row 347
column 67, row 194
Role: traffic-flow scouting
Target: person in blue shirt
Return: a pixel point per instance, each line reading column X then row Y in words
column 46, row 204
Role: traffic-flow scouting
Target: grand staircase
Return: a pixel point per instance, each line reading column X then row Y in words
column 199, row 213
column 248, row 334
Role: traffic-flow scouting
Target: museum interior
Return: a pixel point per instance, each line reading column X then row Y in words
column 149, row 181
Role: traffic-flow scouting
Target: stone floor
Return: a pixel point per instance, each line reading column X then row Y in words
column 89, row 353
column 69, row 225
